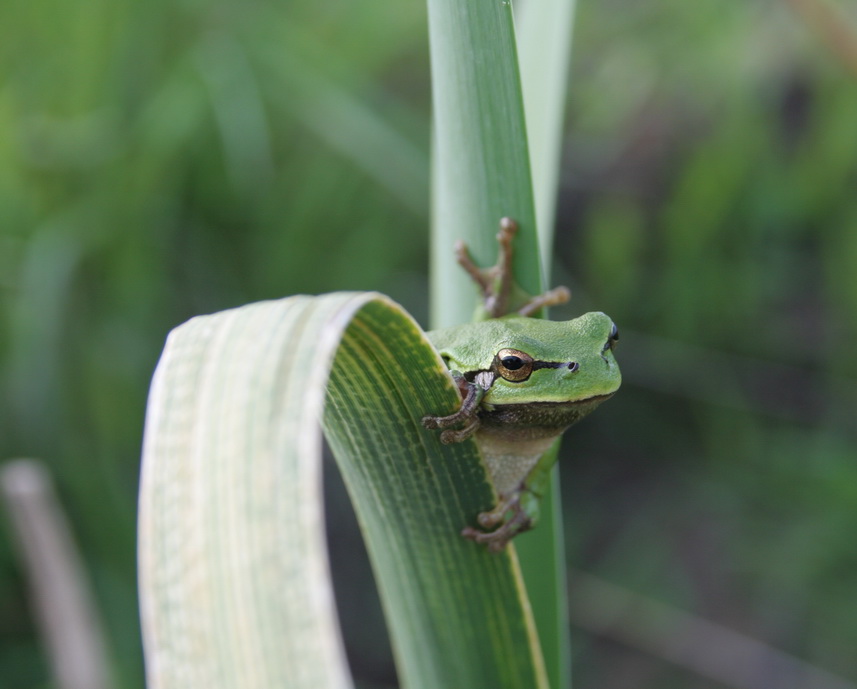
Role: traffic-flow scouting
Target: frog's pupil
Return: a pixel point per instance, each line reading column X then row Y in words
column 512, row 363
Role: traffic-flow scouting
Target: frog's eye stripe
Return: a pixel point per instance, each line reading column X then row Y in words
column 570, row 365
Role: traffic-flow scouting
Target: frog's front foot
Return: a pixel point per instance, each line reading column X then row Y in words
column 512, row 515
column 467, row 414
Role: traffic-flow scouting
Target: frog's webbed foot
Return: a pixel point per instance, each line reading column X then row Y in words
column 515, row 514
column 495, row 283
column 472, row 394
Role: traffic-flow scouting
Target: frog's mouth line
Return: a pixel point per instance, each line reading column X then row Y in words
column 595, row 399
column 554, row 403
column 533, row 407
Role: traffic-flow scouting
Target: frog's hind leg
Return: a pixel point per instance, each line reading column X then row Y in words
column 496, row 540
column 553, row 297
column 523, row 504
column 498, row 304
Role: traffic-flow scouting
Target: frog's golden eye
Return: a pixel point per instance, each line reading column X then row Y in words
column 513, row 365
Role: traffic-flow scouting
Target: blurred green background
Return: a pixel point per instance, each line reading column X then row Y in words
column 175, row 157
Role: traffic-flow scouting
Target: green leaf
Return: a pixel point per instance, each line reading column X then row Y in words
column 481, row 162
column 544, row 48
column 481, row 172
column 234, row 577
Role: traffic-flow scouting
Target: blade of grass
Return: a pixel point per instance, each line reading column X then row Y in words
column 542, row 555
column 481, row 172
column 544, row 48
column 458, row 614
column 66, row 614
column 234, row 584
column 231, row 547
column 481, row 166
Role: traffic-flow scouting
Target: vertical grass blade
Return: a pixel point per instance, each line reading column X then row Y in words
column 481, row 167
column 544, row 49
column 481, row 172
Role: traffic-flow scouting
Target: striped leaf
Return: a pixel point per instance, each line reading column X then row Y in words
column 235, row 586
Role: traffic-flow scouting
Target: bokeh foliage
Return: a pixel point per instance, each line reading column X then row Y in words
column 163, row 159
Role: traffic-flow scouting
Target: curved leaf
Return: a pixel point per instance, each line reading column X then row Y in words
column 234, row 580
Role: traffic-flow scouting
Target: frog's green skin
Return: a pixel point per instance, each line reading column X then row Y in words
column 514, row 422
column 574, row 370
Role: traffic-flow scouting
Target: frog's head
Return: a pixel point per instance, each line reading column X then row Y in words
column 538, row 361
column 555, row 361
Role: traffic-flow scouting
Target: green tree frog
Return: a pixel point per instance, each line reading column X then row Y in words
column 523, row 381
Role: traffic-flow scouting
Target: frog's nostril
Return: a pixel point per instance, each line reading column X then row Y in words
column 573, row 366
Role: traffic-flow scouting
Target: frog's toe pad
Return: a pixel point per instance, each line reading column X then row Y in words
column 496, row 540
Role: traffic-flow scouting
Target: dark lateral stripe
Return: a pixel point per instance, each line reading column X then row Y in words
column 470, row 375
column 553, row 364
